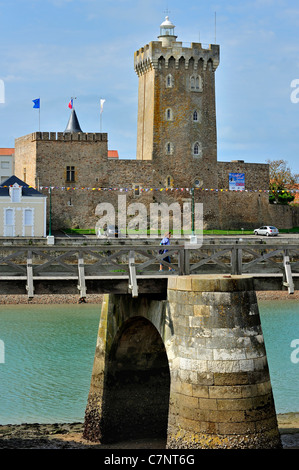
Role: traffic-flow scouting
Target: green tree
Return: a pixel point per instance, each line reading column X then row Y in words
column 281, row 180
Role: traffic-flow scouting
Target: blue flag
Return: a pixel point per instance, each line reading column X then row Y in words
column 36, row 103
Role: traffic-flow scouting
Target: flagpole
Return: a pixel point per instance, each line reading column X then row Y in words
column 101, row 112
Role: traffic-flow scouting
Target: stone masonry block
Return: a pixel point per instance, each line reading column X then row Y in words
column 236, row 428
column 200, row 391
column 229, row 354
column 234, row 404
column 239, row 378
column 184, row 283
column 201, row 310
column 208, row 404
column 224, row 391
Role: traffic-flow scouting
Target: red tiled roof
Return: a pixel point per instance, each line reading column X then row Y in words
column 112, row 154
column 7, row 151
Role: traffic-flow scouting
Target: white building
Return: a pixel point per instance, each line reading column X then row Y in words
column 6, row 163
column 22, row 210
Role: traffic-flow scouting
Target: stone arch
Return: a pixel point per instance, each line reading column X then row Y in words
column 191, row 63
column 130, row 396
column 138, row 383
column 200, row 66
column 211, row 371
column 171, row 62
column 210, row 65
column 182, row 63
column 161, row 62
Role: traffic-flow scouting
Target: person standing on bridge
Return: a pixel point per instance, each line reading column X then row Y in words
column 165, row 241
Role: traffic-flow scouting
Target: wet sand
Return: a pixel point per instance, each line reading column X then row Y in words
column 69, row 436
column 98, row 298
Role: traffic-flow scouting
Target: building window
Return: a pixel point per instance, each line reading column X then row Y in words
column 195, row 116
column 9, row 222
column 70, row 174
column 197, row 151
column 169, row 148
column 28, row 217
column 15, row 193
column 196, row 83
column 136, row 189
column 169, row 81
column 169, row 182
column 5, row 165
column 197, row 183
column 169, row 114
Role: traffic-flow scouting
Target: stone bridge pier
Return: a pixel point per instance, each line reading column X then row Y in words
column 189, row 367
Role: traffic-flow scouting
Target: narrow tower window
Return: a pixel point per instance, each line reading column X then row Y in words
column 169, row 148
column 169, row 182
column 169, row 81
column 195, row 116
column 169, row 114
column 197, row 151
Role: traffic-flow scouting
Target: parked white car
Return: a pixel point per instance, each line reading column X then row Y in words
column 111, row 231
column 267, row 230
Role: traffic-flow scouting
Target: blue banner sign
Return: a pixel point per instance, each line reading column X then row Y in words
column 237, row 181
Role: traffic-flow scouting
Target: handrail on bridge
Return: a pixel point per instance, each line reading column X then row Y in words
column 131, row 262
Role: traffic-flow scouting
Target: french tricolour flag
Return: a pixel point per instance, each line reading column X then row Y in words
column 70, row 104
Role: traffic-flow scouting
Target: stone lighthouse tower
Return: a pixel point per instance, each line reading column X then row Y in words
column 176, row 125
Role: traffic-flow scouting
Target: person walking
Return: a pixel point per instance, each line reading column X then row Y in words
column 165, row 241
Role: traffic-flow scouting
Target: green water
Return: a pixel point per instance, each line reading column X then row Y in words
column 49, row 350
column 280, row 324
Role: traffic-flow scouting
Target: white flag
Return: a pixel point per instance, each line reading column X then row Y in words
column 102, row 104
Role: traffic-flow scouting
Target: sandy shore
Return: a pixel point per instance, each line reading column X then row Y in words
column 69, row 436
column 49, row 299
column 97, row 298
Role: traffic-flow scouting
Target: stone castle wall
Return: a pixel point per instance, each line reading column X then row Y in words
column 256, row 174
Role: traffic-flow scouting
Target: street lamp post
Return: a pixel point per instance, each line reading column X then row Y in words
column 50, row 238
column 193, row 238
column 50, row 213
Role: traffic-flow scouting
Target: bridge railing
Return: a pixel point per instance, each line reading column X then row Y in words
column 81, row 263
column 238, row 259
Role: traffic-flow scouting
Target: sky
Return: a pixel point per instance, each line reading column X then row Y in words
column 56, row 49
